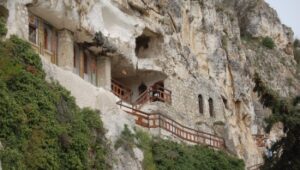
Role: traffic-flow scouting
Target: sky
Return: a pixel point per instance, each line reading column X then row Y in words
column 289, row 13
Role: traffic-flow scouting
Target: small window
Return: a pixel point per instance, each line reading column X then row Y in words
column 33, row 23
column 211, row 107
column 47, row 37
column 200, row 102
column 85, row 64
column 225, row 102
column 32, row 34
column 74, row 56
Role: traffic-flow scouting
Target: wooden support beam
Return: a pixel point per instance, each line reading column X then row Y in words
column 81, row 62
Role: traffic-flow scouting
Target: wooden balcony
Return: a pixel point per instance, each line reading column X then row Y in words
column 121, row 91
column 153, row 94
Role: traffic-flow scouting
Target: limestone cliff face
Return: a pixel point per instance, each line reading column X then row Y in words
column 200, row 46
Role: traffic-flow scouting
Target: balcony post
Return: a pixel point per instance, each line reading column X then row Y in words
column 65, row 49
column 104, row 72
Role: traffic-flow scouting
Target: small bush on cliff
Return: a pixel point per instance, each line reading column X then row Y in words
column 297, row 51
column 268, row 42
column 297, row 43
column 126, row 140
column 40, row 125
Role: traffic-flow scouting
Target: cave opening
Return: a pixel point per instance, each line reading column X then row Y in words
column 148, row 44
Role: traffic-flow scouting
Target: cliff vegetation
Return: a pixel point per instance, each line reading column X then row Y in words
column 286, row 152
column 41, row 127
column 164, row 154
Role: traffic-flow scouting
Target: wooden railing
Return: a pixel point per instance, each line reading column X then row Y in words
column 152, row 94
column 121, row 91
column 157, row 120
column 260, row 140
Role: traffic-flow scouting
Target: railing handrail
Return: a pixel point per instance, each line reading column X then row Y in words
column 151, row 89
column 140, row 97
column 120, row 88
column 121, row 91
column 216, row 138
column 158, row 87
column 120, row 85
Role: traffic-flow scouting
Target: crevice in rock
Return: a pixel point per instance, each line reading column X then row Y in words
column 148, row 7
column 225, row 43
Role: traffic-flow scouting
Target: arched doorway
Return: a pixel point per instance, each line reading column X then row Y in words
column 142, row 88
column 158, row 91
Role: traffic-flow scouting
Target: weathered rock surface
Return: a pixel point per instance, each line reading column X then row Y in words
column 87, row 95
column 202, row 49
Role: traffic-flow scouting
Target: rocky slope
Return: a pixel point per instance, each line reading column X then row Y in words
column 207, row 47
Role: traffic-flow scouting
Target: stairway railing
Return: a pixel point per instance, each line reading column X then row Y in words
column 156, row 120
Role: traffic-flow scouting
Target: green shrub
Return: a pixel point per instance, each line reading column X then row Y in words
column 3, row 29
column 145, row 143
column 297, row 43
column 41, row 127
column 126, row 140
column 268, row 42
column 172, row 155
column 297, row 52
column 162, row 154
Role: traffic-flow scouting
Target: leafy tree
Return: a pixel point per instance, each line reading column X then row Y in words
column 286, row 152
column 297, row 43
column 297, row 52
